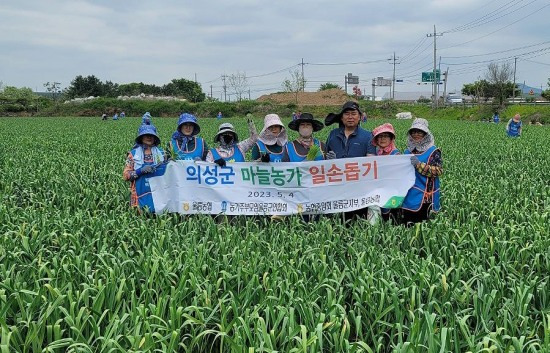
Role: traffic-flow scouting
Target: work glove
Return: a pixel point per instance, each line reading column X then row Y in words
column 145, row 170
column 220, row 162
column 197, row 159
column 265, row 158
column 252, row 129
column 330, row 155
column 415, row 161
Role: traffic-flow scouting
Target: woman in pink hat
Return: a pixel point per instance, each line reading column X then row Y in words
column 271, row 141
column 383, row 137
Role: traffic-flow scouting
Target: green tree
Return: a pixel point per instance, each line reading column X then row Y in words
column 328, row 85
column 85, row 87
column 500, row 76
column 190, row 90
column 546, row 93
column 15, row 99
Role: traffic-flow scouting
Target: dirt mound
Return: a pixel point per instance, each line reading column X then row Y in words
column 333, row 96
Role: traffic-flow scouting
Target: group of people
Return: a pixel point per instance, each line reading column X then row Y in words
column 271, row 145
column 116, row 116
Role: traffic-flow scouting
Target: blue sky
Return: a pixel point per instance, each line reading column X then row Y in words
column 154, row 42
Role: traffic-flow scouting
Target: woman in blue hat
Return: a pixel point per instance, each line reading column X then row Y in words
column 185, row 144
column 143, row 158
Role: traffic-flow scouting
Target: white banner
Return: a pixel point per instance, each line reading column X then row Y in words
column 253, row 188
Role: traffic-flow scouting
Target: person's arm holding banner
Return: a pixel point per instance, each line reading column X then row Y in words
column 247, row 144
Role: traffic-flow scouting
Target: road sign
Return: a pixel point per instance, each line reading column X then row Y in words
column 353, row 80
column 429, row 76
column 383, row 82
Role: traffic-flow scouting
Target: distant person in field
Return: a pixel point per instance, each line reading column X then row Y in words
column 143, row 158
column 364, row 117
column 146, row 118
column 115, row 117
column 229, row 148
column 513, row 128
column 424, row 197
column 305, row 147
column 496, row 118
column 383, row 137
column 185, row 143
column 294, row 116
column 104, row 116
column 219, row 115
column 122, row 114
column 271, row 141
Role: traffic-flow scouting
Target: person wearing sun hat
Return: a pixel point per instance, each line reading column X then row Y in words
column 513, row 128
column 185, row 143
column 383, row 137
column 229, row 148
column 143, row 158
column 272, row 140
column 423, row 197
column 299, row 149
column 349, row 139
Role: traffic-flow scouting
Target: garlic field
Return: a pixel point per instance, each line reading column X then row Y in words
column 81, row 272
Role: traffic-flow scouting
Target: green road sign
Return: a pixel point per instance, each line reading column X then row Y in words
column 429, row 76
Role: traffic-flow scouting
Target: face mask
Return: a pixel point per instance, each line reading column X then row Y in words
column 305, row 131
column 227, row 139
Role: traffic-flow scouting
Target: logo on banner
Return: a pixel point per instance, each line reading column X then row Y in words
column 300, row 208
column 186, row 206
column 224, row 206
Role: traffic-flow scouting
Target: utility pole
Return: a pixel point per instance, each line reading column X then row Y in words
column 195, row 77
column 346, row 84
column 514, row 90
column 249, row 94
column 303, row 80
column 373, row 89
column 434, row 91
column 445, row 85
column 224, row 88
column 210, row 91
column 392, row 90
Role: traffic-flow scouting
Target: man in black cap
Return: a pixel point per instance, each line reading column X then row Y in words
column 349, row 139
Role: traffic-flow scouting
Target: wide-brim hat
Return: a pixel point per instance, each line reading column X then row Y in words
column 226, row 128
column 147, row 129
column 420, row 124
column 387, row 127
column 272, row 120
column 332, row 117
column 189, row 118
column 306, row 118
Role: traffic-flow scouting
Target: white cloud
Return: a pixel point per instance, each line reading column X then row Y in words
column 154, row 42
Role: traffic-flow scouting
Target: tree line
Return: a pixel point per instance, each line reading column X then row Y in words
column 86, row 86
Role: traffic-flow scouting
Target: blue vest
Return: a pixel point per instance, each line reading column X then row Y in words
column 294, row 156
column 415, row 197
column 237, row 156
column 513, row 129
column 394, row 152
column 273, row 157
column 198, row 151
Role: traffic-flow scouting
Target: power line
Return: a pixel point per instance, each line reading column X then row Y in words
column 351, row 63
column 490, row 17
column 500, row 29
column 496, row 52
